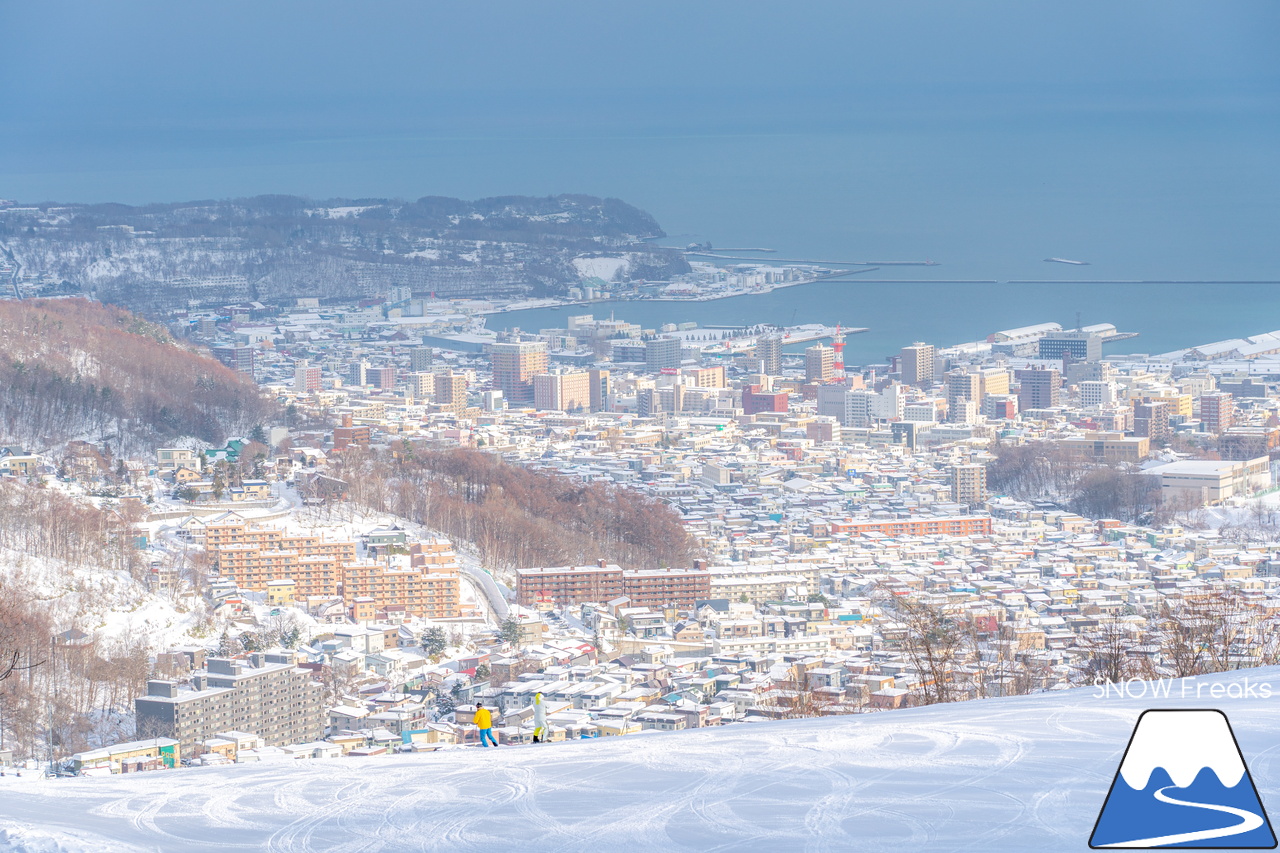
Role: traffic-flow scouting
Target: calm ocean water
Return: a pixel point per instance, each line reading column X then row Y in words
column 1140, row 199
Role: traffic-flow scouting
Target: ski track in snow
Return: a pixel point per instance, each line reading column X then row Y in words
column 997, row 775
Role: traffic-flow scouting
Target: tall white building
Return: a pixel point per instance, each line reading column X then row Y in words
column 1095, row 393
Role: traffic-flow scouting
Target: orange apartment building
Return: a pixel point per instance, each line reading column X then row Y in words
column 430, row 591
column 254, row 555
column 706, row 377
column 425, row 581
column 645, row 587
column 968, row 525
column 569, row 584
column 658, row 588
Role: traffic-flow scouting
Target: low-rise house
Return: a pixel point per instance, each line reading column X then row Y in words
column 152, row 754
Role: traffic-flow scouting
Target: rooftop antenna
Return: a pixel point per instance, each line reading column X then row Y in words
column 1078, row 324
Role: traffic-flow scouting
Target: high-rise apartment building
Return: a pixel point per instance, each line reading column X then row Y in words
column 357, row 373
column 383, row 378
column 963, row 387
column 769, row 353
column 819, row 363
column 706, row 377
column 1038, row 388
column 265, row 695
column 423, row 385
column 755, row 401
column 239, row 359
column 831, row 402
column 420, row 359
column 916, row 364
column 1217, row 412
column 451, row 391
column 969, row 483
column 306, row 378
column 648, row 401
column 995, row 380
column 514, row 364
column 1095, row 393
column 1151, row 420
column 999, row 407
column 663, row 353
column 672, row 397
column 599, row 394
column 563, row 391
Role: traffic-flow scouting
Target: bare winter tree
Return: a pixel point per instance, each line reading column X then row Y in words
column 796, row 697
column 1110, row 650
column 22, row 633
column 1213, row 633
column 936, row 644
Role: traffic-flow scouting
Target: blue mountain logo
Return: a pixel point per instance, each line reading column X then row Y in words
column 1183, row 783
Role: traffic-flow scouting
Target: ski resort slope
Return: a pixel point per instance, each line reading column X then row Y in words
column 1027, row 773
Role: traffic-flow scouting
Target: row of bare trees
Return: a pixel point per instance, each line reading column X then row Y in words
column 70, row 367
column 517, row 517
column 952, row 659
column 1046, row 471
column 1218, row 632
column 61, row 689
column 45, row 525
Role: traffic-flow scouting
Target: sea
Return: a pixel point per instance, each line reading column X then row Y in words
column 1168, row 185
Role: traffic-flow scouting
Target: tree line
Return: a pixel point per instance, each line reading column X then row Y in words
column 71, row 367
column 62, row 689
column 517, row 517
column 1046, row 471
column 954, row 656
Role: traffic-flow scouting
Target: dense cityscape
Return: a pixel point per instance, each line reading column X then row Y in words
column 1007, row 516
column 672, row 428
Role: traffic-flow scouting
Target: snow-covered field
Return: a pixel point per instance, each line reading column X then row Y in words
column 1018, row 774
column 603, row 268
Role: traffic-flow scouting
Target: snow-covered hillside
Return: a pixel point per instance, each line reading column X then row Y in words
column 1021, row 774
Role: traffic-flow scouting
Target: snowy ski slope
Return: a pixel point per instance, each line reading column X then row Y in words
column 1020, row 774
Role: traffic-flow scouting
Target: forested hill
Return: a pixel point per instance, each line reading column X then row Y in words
column 274, row 248
column 71, row 368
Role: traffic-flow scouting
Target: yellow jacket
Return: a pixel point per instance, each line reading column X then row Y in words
column 484, row 720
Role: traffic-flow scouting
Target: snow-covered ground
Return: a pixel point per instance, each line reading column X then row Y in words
column 602, row 268
column 111, row 604
column 1021, row 774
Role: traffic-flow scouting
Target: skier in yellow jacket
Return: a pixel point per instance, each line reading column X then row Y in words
column 484, row 722
column 539, row 719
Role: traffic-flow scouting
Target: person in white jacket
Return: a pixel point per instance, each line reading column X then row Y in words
column 539, row 719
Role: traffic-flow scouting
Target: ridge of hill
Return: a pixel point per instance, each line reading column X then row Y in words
column 76, row 369
column 1015, row 774
column 274, row 248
